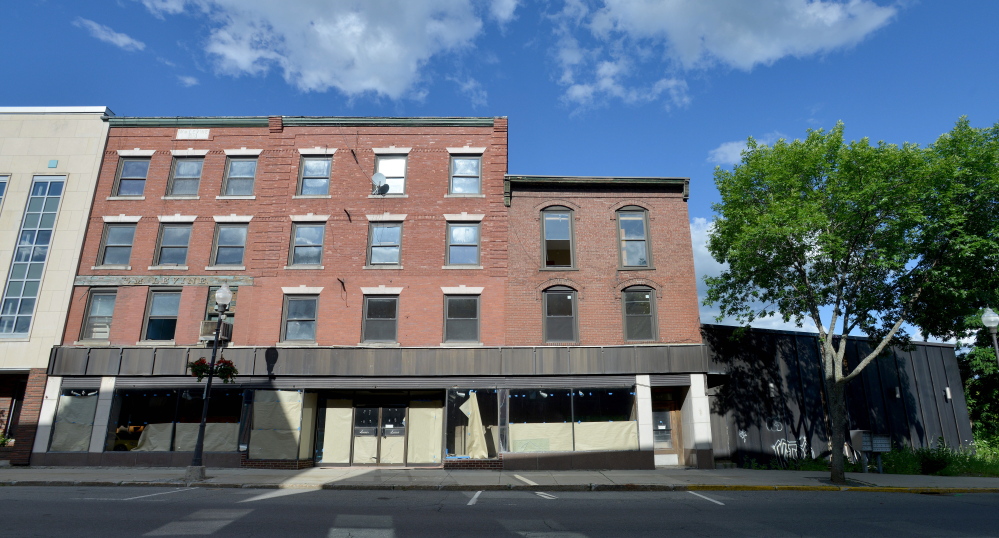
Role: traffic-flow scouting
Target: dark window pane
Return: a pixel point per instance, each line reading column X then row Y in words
column 232, row 235
column 131, row 187
column 135, row 169
column 165, row 304
column 638, row 303
column 173, row 255
column 558, row 253
column 161, row 329
column 382, row 308
column 302, row 309
column 559, row 329
column 462, row 307
column 229, row 256
column 638, row 327
column 379, row 330
column 559, row 303
column 120, row 235
column 175, row 236
column 462, row 330
column 117, row 255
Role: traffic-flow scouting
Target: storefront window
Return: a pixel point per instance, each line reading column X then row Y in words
column 472, row 423
column 565, row 420
column 163, row 420
column 74, row 421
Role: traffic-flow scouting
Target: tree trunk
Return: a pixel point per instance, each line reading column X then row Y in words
column 837, row 425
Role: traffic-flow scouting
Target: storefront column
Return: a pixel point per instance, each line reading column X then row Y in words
column 696, row 414
column 643, row 404
column 99, row 435
column 50, row 402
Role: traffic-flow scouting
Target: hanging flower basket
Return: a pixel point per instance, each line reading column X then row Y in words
column 225, row 370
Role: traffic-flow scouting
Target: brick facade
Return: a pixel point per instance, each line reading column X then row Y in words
column 27, row 424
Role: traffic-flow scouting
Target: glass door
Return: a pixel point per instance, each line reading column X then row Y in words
column 379, row 436
column 366, row 436
column 393, row 436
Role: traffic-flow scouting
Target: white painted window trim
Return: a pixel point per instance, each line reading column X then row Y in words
column 136, row 152
column 387, row 217
column 189, row 152
column 302, row 290
column 391, row 150
column 232, row 218
column 381, row 290
column 121, row 218
column 461, row 290
column 318, row 150
column 242, row 152
column 309, row 217
column 177, row 218
column 466, row 151
column 464, row 217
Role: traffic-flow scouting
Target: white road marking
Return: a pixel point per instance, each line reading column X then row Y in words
column 524, row 480
column 474, row 498
column 706, row 498
column 276, row 493
column 155, row 494
column 544, row 495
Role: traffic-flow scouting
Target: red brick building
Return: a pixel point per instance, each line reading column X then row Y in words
column 398, row 300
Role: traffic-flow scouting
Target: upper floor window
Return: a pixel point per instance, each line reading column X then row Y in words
column 466, row 175
column 315, row 176
column 174, row 240
column 560, row 314
column 393, row 167
column 212, row 313
column 132, row 174
column 230, row 244
column 385, row 243
column 633, row 230
column 557, row 233
column 117, row 247
column 307, row 244
column 639, row 313
column 100, row 310
column 186, row 177
column 3, row 187
column 299, row 318
column 239, row 177
column 463, row 243
column 381, row 318
column 461, row 318
column 161, row 315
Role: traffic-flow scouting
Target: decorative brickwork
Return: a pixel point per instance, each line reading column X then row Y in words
column 469, row 464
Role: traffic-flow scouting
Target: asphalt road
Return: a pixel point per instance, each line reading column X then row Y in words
column 121, row 512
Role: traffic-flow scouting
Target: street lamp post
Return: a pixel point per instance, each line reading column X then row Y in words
column 196, row 471
column 991, row 320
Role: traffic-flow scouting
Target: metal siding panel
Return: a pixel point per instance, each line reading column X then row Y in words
column 552, row 360
column 173, row 361
column 871, row 378
column 669, row 380
column 619, row 360
column 910, row 397
column 104, row 361
column 242, row 359
column 81, row 383
column 856, row 397
column 811, row 385
column 895, row 416
column 948, row 425
column 688, row 358
column 930, row 418
column 586, row 360
column 652, row 360
column 136, row 361
column 517, row 360
column 959, row 404
column 69, row 361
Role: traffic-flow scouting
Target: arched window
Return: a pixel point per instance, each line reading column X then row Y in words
column 556, row 232
column 633, row 237
column 560, row 314
column 639, row 306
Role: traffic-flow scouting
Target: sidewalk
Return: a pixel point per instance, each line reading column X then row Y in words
column 674, row 479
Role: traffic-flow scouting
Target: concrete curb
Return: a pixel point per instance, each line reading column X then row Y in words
column 497, row 487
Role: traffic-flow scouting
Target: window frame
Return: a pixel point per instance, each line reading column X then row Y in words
column 478, row 244
column 322, row 244
column 365, row 319
column 230, row 314
column 121, row 169
column 148, row 313
column 371, row 235
column 215, row 243
column 621, row 242
column 288, row 297
column 302, row 177
column 228, row 170
column 159, row 243
column 478, row 318
column 173, row 176
column 87, row 314
column 102, row 253
column 653, row 314
column 405, row 169
column 550, row 210
column 575, row 314
column 452, row 175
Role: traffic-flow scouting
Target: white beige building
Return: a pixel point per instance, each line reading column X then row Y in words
column 49, row 161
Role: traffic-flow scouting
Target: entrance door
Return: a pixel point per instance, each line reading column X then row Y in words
column 379, row 436
column 666, row 442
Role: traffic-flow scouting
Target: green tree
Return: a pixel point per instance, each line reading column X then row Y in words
column 858, row 237
column 980, row 373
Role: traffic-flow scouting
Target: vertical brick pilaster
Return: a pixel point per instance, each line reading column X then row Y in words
column 276, row 124
column 24, row 438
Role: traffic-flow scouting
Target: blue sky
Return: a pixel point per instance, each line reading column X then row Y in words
column 599, row 87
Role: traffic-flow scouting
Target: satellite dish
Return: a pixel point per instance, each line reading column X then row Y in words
column 378, row 181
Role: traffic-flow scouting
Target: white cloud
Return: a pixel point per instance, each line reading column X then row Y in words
column 354, row 46
column 656, row 40
column 471, row 89
column 108, row 35
column 503, row 10
column 187, row 81
column 728, row 153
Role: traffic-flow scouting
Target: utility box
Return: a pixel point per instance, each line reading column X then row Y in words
column 865, row 443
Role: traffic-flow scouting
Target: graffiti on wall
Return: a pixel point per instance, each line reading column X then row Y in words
column 785, row 450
